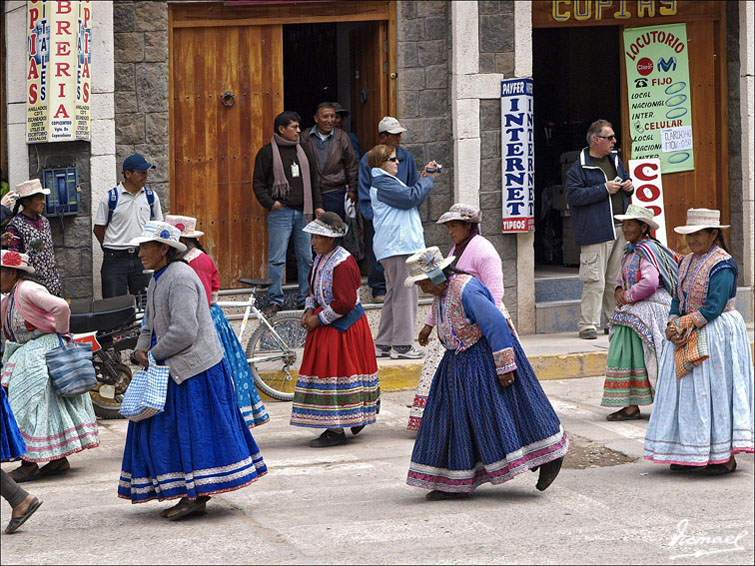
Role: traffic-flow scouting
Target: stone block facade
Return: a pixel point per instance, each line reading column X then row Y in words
column 423, row 51
column 72, row 235
column 142, row 89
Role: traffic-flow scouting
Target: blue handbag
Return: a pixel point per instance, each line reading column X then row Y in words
column 145, row 396
column 70, row 367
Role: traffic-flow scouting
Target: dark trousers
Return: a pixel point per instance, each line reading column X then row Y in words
column 333, row 202
column 13, row 493
column 376, row 277
column 122, row 274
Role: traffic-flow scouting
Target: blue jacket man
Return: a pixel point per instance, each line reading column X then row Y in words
column 597, row 188
column 389, row 130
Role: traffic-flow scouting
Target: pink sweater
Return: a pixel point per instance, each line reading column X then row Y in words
column 646, row 286
column 480, row 259
column 38, row 307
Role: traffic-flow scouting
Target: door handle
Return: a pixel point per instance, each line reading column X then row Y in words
column 363, row 96
column 229, row 99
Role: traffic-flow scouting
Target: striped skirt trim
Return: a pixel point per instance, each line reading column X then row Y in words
column 515, row 463
column 201, row 482
column 256, row 415
column 335, row 402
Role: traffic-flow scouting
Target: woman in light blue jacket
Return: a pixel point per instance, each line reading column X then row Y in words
column 398, row 234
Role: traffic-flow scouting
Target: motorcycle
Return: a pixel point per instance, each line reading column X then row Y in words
column 111, row 326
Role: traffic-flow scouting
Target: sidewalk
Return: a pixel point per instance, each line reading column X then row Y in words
column 553, row 356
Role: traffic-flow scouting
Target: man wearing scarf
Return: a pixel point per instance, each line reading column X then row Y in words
column 286, row 184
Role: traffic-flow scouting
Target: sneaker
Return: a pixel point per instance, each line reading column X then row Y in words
column 588, row 334
column 271, row 310
column 382, row 352
column 406, row 353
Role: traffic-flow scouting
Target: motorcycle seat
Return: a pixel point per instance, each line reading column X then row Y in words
column 102, row 315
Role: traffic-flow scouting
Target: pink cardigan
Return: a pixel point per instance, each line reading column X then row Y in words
column 480, row 259
column 38, row 307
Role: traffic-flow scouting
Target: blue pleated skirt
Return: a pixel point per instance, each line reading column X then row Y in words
column 199, row 445
column 474, row 430
column 11, row 442
column 247, row 397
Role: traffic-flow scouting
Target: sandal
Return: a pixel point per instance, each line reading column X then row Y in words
column 624, row 415
column 20, row 474
column 55, row 468
column 186, row 507
column 719, row 469
column 16, row 522
column 438, row 495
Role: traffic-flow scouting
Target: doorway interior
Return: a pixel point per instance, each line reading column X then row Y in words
column 577, row 80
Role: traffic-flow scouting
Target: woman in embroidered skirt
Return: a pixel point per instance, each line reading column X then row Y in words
column 199, row 445
column 249, row 401
column 53, row 427
column 643, row 298
column 30, row 234
column 487, row 418
column 703, row 412
column 12, row 446
column 476, row 256
column 338, row 380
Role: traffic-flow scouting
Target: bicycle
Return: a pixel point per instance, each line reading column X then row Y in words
column 275, row 348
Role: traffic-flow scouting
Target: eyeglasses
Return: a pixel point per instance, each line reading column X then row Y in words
column 394, row 159
column 606, row 137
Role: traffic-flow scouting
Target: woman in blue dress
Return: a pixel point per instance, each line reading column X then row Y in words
column 199, row 445
column 486, row 419
column 703, row 413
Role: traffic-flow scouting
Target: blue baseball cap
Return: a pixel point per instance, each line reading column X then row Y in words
column 136, row 162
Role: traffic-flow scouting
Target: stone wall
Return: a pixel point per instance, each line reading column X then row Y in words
column 142, row 88
column 423, row 106
column 736, row 189
column 72, row 237
column 496, row 43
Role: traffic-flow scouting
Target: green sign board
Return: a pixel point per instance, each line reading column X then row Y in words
column 660, row 108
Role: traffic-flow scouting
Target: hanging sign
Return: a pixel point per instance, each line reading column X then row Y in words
column 660, row 108
column 58, row 70
column 648, row 191
column 518, row 156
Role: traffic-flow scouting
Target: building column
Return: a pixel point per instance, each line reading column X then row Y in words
column 747, row 116
column 102, row 158
column 15, row 91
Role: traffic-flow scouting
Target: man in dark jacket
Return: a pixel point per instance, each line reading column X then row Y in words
column 597, row 187
column 285, row 182
column 334, row 159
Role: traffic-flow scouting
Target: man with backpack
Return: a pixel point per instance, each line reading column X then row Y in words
column 121, row 217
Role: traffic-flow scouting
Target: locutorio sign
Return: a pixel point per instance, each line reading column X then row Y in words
column 517, row 156
column 58, row 70
column 660, row 109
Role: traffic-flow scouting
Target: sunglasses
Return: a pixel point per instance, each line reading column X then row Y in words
column 393, row 159
column 606, row 137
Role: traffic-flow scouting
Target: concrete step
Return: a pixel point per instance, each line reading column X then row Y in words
column 556, row 316
column 558, row 288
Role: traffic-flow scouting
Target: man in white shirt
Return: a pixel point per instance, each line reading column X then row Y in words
column 121, row 217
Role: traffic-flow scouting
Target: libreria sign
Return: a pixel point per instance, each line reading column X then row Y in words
column 518, row 156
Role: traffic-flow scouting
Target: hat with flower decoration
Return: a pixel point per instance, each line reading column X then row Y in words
column 462, row 213
column 186, row 224
column 427, row 264
column 15, row 260
column 160, row 232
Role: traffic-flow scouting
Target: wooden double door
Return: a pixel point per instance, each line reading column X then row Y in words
column 226, row 89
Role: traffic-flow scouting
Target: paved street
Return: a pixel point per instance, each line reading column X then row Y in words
column 350, row 504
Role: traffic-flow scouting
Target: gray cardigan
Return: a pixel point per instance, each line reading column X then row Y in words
column 177, row 311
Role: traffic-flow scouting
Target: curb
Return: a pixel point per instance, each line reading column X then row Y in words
column 546, row 367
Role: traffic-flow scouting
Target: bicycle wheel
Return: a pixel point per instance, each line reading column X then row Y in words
column 276, row 377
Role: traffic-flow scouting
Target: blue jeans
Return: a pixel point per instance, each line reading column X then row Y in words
column 333, row 202
column 376, row 277
column 280, row 224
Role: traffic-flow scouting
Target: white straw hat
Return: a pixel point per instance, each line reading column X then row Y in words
column 160, row 232
column 639, row 213
column 320, row 228
column 15, row 260
column 31, row 187
column 427, row 264
column 186, row 224
column 699, row 219
column 461, row 212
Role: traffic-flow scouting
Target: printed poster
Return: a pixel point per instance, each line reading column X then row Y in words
column 660, row 106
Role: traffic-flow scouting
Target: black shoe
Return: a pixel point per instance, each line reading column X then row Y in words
column 605, row 330
column 271, row 310
column 328, row 438
column 356, row 429
column 548, row 473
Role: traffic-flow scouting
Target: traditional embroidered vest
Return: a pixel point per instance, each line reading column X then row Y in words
column 321, row 287
column 455, row 331
column 694, row 277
